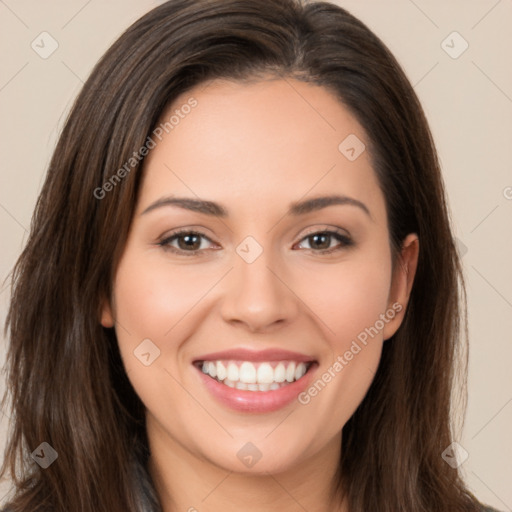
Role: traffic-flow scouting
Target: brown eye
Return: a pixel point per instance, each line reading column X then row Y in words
column 189, row 242
column 185, row 242
column 322, row 241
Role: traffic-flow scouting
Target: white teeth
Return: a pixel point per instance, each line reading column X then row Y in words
column 247, row 373
column 255, row 376
column 265, row 374
column 232, row 372
column 280, row 373
column 300, row 371
column 221, row 371
column 290, row 372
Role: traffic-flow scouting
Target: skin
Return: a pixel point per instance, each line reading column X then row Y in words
column 255, row 148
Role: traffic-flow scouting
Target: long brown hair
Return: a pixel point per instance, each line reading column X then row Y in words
column 66, row 382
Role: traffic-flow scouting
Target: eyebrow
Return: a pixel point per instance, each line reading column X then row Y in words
column 295, row 209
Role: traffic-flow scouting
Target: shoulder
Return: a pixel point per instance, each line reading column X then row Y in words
column 489, row 509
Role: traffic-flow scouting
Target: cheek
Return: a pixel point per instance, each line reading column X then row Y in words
column 350, row 300
column 153, row 302
column 151, row 298
column 348, row 297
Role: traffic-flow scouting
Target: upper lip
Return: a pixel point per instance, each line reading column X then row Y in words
column 243, row 354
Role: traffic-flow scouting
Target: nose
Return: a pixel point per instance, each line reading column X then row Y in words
column 258, row 296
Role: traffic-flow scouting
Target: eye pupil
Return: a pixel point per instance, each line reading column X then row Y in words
column 190, row 241
column 318, row 238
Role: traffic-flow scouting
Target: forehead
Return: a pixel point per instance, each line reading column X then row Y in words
column 273, row 141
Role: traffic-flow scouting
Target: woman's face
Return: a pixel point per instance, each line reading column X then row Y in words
column 267, row 280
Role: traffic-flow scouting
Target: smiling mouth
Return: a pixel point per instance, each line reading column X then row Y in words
column 252, row 376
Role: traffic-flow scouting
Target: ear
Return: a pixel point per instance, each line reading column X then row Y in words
column 107, row 317
column 401, row 283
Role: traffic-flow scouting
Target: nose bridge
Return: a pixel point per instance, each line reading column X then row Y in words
column 256, row 295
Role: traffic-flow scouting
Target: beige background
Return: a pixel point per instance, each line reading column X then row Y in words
column 468, row 101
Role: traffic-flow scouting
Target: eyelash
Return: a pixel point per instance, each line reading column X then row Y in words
column 344, row 240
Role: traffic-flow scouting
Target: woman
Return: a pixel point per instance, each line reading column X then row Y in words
column 240, row 279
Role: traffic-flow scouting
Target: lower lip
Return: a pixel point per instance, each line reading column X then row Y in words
column 257, row 401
